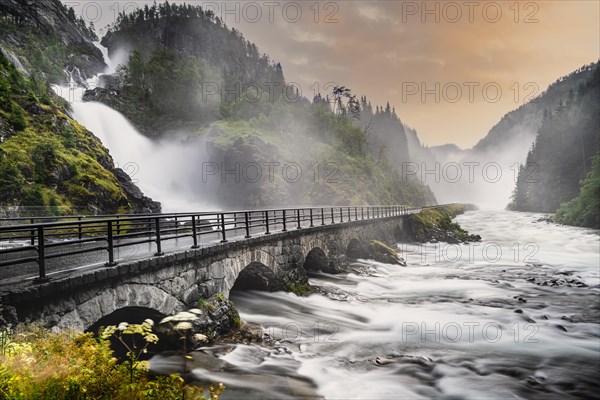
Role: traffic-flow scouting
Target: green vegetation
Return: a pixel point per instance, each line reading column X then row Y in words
column 584, row 210
column 381, row 252
column 38, row 364
column 378, row 246
column 204, row 72
column 299, row 289
column 561, row 156
column 47, row 159
column 436, row 223
column 337, row 168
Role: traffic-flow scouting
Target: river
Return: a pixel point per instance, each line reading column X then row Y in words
column 515, row 316
column 488, row 321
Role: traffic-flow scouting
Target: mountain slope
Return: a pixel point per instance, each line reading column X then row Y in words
column 49, row 164
column 185, row 68
column 563, row 151
column 486, row 174
column 521, row 125
column 48, row 39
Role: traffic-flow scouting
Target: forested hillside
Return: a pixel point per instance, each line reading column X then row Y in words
column 189, row 74
column 523, row 123
column 187, row 68
column 562, row 155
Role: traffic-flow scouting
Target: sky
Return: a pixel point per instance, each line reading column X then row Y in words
column 451, row 69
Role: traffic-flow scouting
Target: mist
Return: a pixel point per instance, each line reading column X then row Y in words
column 165, row 170
column 486, row 178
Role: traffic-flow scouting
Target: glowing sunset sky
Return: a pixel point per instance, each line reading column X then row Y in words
column 392, row 50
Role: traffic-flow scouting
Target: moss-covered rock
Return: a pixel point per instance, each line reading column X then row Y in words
column 381, row 252
column 435, row 225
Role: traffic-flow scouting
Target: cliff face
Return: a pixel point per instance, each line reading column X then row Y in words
column 48, row 39
column 48, row 162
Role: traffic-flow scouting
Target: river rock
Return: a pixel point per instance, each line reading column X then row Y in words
column 219, row 316
column 383, row 253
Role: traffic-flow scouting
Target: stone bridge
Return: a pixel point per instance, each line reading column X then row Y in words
column 172, row 282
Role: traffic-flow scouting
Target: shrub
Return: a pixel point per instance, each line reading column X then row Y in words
column 38, row 364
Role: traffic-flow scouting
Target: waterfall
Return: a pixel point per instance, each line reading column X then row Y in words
column 164, row 170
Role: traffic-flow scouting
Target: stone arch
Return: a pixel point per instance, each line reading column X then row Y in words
column 256, row 276
column 86, row 314
column 132, row 315
column 228, row 270
column 356, row 249
column 316, row 260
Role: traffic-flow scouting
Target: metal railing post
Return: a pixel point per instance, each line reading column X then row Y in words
column 298, row 217
column 341, row 214
column 79, row 229
column 158, row 243
column 311, row 218
column 111, row 248
column 362, row 212
column 223, row 234
column 332, row 217
column 41, row 256
column 247, row 225
column 32, row 233
column 349, row 215
column 284, row 222
column 322, row 216
column 194, row 233
column 118, row 226
column 267, row 223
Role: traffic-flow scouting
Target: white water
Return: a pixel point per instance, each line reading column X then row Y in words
column 441, row 328
column 166, row 171
column 445, row 329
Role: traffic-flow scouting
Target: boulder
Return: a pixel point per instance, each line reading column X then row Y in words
column 381, row 252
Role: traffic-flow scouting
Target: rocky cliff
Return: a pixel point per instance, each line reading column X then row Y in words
column 49, row 39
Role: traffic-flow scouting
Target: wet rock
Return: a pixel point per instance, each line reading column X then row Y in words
column 382, row 361
column 381, row 252
column 139, row 202
column 546, row 218
column 562, row 328
column 109, row 82
column 220, row 316
column 34, row 109
column 216, row 316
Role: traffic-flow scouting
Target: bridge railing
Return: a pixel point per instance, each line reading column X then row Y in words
column 43, row 240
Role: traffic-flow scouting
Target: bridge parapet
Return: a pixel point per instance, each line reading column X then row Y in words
column 171, row 281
